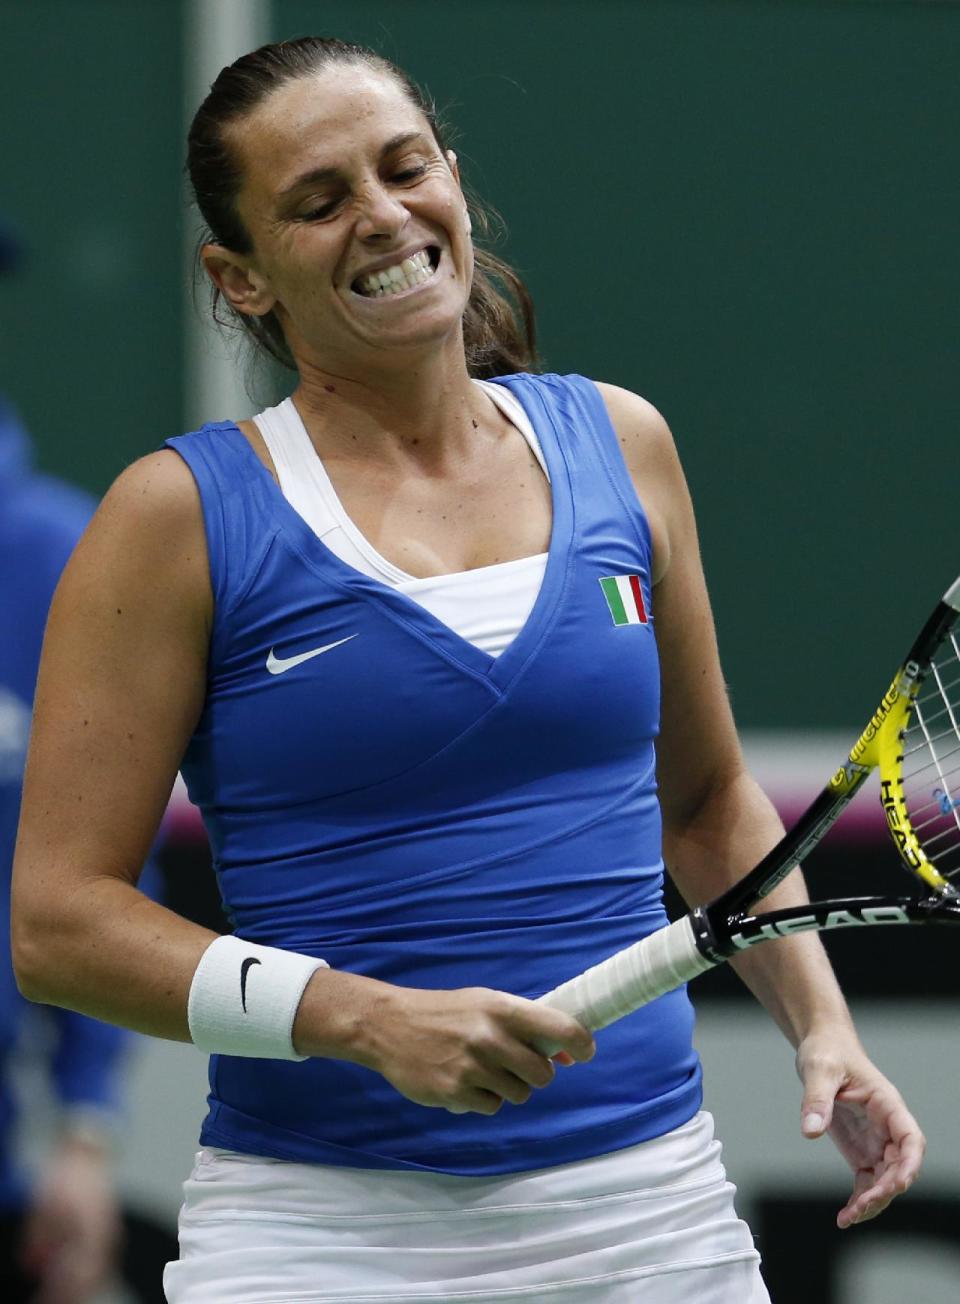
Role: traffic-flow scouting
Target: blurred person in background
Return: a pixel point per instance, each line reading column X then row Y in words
column 59, row 1233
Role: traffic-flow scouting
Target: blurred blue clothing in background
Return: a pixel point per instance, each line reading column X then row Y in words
column 41, row 519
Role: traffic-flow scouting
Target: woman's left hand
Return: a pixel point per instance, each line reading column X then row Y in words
column 845, row 1095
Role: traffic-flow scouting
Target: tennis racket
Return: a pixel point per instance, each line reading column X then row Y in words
column 913, row 739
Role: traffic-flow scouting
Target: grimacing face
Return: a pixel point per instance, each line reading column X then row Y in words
column 361, row 239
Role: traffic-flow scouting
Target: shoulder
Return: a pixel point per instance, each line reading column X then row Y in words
column 158, row 492
column 641, row 430
column 650, row 455
column 638, row 424
column 148, row 531
column 645, row 439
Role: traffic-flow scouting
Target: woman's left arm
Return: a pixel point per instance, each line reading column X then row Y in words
column 717, row 823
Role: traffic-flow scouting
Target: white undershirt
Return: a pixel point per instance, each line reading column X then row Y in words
column 487, row 606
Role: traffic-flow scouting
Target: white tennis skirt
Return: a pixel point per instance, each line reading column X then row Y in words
column 652, row 1224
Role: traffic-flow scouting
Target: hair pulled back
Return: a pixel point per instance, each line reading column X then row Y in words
column 498, row 324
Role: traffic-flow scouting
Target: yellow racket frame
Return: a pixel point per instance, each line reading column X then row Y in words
column 880, row 746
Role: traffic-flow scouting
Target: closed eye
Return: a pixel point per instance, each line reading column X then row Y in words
column 405, row 176
column 318, row 214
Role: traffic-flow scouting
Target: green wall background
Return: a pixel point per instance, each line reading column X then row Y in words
column 90, row 157
column 747, row 212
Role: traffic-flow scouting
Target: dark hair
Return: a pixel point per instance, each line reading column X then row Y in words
column 498, row 327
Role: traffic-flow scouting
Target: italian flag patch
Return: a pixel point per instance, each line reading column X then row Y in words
column 625, row 599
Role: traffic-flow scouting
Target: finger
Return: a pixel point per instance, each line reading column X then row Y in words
column 885, row 1107
column 897, row 1175
column 861, row 1199
column 862, row 1209
column 820, row 1085
column 501, row 1082
column 580, row 1043
column 905, row 1143
column 872, row 1193
column 527, row 1065
column 476, row 1100
column 562, row 1057
column 578, row 1049
column 910, row 1143
column 550, row 1030
column 908, row 1169
column 902, row 1164
column 859, row 1212
column 816, row 1120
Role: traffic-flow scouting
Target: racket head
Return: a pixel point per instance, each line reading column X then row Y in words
column 917, row 749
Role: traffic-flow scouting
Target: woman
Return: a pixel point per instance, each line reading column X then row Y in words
column 370, row 627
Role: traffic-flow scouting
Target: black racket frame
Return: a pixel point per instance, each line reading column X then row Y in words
column 724, row 928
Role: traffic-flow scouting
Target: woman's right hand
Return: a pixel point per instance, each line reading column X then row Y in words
column 466, row 1050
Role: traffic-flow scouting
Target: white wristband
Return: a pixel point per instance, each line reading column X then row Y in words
column 244, row 998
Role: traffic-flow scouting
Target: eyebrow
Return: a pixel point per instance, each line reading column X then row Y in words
column 317, row 176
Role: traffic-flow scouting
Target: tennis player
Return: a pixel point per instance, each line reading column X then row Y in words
column 398, row 633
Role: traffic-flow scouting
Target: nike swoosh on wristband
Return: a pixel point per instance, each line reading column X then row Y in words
column 280, row 665
column 244, row 970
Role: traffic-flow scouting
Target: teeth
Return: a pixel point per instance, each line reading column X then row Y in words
column 402, row 276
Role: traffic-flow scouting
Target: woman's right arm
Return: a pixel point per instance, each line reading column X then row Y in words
column 121, row 687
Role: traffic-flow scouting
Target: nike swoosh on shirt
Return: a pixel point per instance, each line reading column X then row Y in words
column 279, row 665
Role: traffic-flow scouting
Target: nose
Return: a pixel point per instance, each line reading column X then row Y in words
column 381, row 214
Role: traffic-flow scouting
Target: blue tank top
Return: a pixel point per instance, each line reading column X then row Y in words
column 410, row 808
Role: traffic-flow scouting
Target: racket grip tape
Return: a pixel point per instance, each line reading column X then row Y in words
column 630, row 979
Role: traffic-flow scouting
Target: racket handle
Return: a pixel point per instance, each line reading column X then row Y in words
column 631, row 978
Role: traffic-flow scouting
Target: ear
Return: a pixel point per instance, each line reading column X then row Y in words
column 244, row 288
column 455, row 169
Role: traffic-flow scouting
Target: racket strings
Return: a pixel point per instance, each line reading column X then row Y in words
column 941, row 703
column 931, row 761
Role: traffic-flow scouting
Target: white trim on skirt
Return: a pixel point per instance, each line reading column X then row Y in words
column 652, row 1224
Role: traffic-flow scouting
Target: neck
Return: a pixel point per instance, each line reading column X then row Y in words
column 423, row 408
